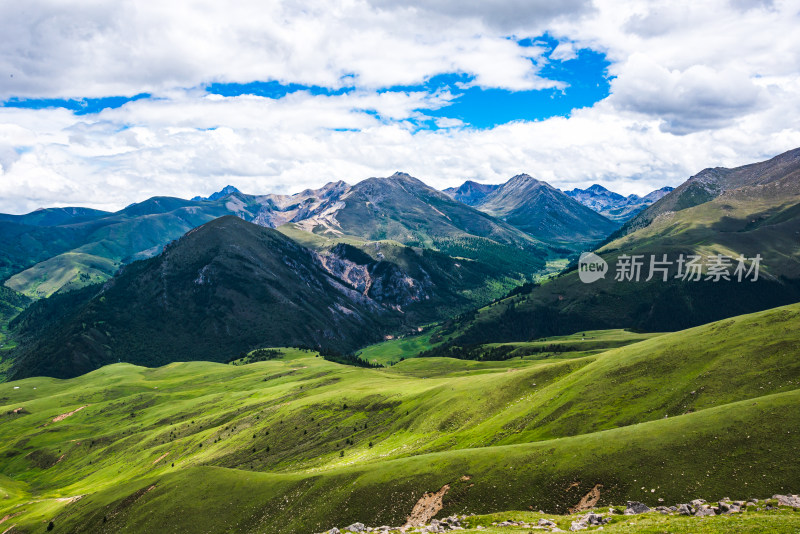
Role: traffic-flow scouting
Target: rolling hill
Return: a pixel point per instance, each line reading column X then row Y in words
column 76, row 252
column 713, row 182
column 298, row 444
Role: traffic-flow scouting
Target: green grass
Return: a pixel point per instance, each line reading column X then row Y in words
column 784, row 521
column 576, row 345
column 64, row 272
column 300, row 444
column 392, row 351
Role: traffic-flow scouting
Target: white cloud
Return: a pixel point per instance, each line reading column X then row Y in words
column 696, row 99
column 695, row 84
column 100, row 48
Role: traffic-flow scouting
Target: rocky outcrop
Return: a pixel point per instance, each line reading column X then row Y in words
column 591, row 520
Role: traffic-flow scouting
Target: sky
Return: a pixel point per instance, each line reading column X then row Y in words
column 105, row 103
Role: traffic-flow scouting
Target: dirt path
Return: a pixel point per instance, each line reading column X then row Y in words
column 65, row 415
column 9, row 516
column 426, row 508
column 160, row 458
column 69, row 500
column 588, row 501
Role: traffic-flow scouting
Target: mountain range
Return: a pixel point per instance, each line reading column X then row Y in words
column 404, row 254
column 542, row 210
column 613, row 205
column 749, row 211
column 501, row 391
column 61, row 249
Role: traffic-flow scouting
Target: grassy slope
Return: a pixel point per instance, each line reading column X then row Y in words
column 570, row 346
column 758, row 220
column 67, row 254
column 524, row 433
column 71, row 270
column 11, row 303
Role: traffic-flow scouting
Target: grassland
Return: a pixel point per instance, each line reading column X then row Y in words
column 575, row 345
column 300, row 444
column 71, row 270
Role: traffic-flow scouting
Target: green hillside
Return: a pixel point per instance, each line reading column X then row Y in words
column 300, row 444
column 760, row 219
column 71, row 252
column 65, row 272
column 226, row 287
column 711, row 183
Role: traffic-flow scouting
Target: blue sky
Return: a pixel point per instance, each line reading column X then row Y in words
column 106, row 103
column 584, row 78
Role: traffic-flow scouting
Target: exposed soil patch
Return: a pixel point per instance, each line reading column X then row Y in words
column 68, row 414
column 160, row 458
column 9, row 516
column 427, row 507
column 588, row 501
column 69, row 500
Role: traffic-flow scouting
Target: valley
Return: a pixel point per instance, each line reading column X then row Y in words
column 304, row 444
column 295, row 363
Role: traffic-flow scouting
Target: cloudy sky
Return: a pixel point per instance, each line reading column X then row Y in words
column 104, row 103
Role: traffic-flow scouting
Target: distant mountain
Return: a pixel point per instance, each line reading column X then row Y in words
column 546, row 213
column 750, row 211
column 54, row 216
column 470, row 193
column 39, row 262
column 224, row 192
column 45, row 260
column 710, row 183
column 225, row 287
column 404, row 210
column 613, row 205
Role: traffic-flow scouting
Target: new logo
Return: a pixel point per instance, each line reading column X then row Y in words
column 591, row 267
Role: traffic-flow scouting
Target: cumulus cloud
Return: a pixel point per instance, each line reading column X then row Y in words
column 180, row 148
column 698, row 98
column 692, row 85
column 505, row 15
column 92, row 49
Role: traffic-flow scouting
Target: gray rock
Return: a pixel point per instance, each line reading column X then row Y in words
column 788, row 500
column 728, row 508
column 635, row 507
column 704, row 511
column 334, row 530
column 356, row 527
column 697, row 503
column 578, row 525
column 546, row 523
column 595, row 519
column 685, row 509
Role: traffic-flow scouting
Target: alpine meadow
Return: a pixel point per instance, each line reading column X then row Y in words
column 389, row 267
